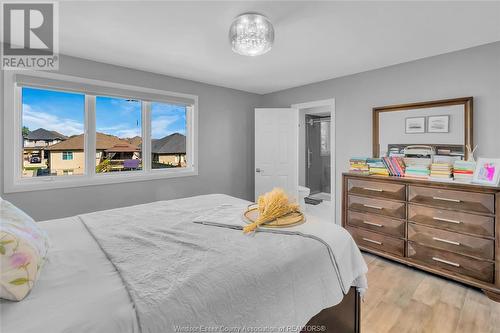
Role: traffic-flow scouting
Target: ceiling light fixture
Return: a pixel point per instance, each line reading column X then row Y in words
column 251, row 34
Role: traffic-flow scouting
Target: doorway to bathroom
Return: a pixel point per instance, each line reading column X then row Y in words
column 317, row 157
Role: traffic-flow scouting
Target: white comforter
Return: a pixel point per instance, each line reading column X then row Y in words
column 78, row 290
column 166, row 271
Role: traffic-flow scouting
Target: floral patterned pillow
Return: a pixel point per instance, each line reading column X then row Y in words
column 23, row 249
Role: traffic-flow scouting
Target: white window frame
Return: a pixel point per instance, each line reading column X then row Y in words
column 13, row 146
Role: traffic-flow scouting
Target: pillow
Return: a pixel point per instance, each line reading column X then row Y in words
column 23, row 249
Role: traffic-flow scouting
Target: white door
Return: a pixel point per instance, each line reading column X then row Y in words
column 276, row 151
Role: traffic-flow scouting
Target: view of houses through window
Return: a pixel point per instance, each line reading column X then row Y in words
column 168, row 136
column 54, row 140
column 118, row 134
column 50, row 118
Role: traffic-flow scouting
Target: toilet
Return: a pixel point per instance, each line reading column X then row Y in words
column 303, row 192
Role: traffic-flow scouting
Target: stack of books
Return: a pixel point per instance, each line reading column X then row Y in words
column 417, row 171
column 395, row 165
column 359, row 165
column 441, row 170
column 463, row 171
column 377, row 167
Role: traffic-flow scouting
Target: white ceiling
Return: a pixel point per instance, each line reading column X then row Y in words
column 314, row 40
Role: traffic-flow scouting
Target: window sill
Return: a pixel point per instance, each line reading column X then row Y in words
column 49, row 183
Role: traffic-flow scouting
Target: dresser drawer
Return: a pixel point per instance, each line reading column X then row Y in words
column 377, row 223
column 377, row 206
column 377, row 241
column 451, row 199
column 377, row 189
column 452, row 241
column 452, row 220
column 481, row 270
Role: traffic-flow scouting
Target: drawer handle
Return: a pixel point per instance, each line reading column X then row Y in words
column 445, row 241
column 446, row 220
column 446, row 199
column 372, row 241
column 451, row 263
column 373, row 224
column 373, row 189
column 374, row 207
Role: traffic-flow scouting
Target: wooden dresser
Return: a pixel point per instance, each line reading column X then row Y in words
column 444, row 228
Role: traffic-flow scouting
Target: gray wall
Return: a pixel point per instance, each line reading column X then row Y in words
column 472, row 72
column 226, row 129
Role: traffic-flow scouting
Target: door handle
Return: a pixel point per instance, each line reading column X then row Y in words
column 309, row 153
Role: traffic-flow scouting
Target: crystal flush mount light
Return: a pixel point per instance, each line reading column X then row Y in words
column 251, row 34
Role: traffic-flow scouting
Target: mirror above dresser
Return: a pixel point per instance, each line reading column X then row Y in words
column 444, row 125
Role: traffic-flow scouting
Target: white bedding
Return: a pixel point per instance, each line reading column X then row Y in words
column 81, row 291
column 78, row 290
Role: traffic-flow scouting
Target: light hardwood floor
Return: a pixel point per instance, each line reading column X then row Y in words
column 402, row 299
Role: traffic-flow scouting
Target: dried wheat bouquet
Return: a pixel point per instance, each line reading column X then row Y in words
column 272, row 205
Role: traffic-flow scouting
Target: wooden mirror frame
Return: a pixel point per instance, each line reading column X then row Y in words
column 467, row 102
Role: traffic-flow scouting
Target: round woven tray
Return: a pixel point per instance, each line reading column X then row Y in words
column 289, row 220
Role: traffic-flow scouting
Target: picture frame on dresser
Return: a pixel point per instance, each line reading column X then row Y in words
column 448, row 229
column 487, row 171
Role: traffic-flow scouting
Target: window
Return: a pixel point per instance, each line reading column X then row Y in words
column 78, row 132
column 67, row 155
column 168, row 136
column 118, row 134
column 51, row 121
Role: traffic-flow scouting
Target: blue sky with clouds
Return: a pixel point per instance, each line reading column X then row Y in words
column 64, row 112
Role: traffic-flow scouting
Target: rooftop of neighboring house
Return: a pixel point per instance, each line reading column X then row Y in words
column 171, row 144
column 42, row 134
column 123, row 148
column 135, row 141
column 108, row 143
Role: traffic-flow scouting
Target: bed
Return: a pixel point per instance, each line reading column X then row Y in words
column 149, row 268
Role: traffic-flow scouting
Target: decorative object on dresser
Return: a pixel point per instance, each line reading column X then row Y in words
column 487, row 171
column 449, row 229
column 470, row 153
